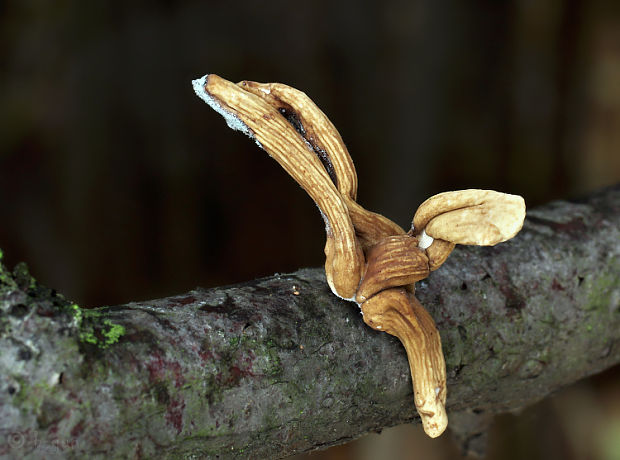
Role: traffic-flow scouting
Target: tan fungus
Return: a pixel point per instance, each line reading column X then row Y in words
column 369, row 258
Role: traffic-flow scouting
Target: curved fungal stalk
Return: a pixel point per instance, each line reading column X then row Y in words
column 262, row 122
column 315, row 128
column 320, row 133
column 397, row 312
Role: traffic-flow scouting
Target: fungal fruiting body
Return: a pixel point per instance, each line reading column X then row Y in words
column 369, row 259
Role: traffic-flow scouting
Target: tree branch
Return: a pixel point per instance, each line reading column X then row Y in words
column 279, row 365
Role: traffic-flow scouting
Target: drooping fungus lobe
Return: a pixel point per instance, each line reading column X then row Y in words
column 370, row 260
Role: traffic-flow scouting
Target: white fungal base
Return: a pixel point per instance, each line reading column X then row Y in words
column 352, row 299
column 424, row 240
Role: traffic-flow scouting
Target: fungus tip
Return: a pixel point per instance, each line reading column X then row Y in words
column 232, row 121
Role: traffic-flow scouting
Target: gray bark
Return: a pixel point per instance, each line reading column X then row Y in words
column 277, row 366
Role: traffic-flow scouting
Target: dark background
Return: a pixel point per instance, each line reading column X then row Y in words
column 117, row 183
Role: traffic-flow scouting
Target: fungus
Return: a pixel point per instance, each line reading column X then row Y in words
column 370, row 260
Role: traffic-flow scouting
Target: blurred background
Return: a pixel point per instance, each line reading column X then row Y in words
column 117, row 183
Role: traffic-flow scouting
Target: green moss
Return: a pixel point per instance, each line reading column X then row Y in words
column 22, row 277
column 88, row 337
column 22, row 394
column 77, row 314
column 5, row 277
column 114, row 332
column 94, row 330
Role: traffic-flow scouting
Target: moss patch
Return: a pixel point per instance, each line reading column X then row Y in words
column 95, row 329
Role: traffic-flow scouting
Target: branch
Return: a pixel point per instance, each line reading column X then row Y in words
column 279, row 365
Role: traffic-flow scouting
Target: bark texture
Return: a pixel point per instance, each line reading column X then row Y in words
column 277, row 366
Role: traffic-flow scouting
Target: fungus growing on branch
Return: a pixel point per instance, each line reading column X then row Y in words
column 370, row 260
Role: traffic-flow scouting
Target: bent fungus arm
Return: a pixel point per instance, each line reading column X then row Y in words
column 344, row 257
